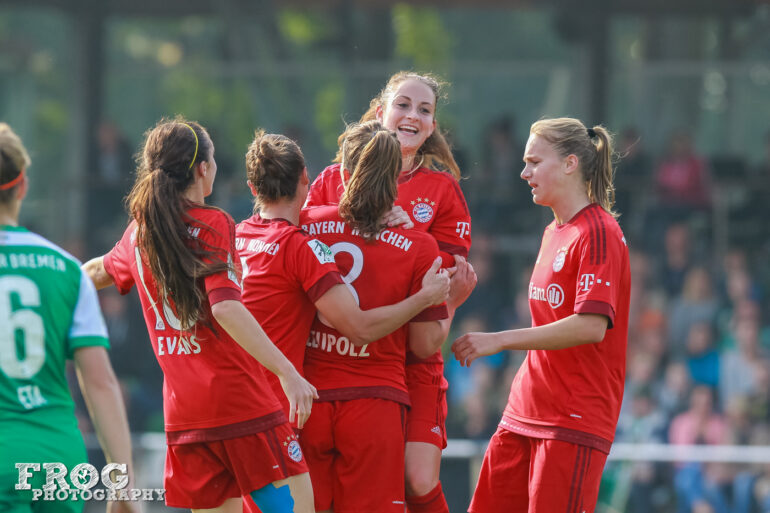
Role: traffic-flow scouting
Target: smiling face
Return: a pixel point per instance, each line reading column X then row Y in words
column 543, row 170
column 409, row 112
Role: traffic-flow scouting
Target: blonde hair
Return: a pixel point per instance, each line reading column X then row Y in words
column 592, row 147
column 372, row 154
column 435, row 152
column 13, row 160
column 274, row 164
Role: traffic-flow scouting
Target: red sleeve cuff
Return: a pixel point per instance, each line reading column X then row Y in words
column 432, row 313
column 109, row 266
column 224, row 294
column 323, row 284
column 597, row 307
column 452, row 249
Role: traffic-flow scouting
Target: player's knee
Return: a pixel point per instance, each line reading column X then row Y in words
column 274, row 499
column 420, row 480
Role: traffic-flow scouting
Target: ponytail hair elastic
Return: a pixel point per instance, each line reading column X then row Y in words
column 591, row 133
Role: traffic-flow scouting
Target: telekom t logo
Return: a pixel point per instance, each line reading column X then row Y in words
column 463, row 228
column 586, row 281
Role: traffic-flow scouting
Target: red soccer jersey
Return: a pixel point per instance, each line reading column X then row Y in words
column 434, row 202
column 379, row 273
column 582, row 267
column 210, row 381
column 284, row 274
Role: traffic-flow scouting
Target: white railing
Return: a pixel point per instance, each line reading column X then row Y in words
column 472, row 449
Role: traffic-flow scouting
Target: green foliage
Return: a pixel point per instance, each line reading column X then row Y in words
column 421, row 36
column 302, row 27
column 225, row 108
column 328, row 106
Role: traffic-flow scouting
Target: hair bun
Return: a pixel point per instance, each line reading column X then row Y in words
column 266, row 149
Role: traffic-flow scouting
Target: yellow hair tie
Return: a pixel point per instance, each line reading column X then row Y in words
column 195, row 155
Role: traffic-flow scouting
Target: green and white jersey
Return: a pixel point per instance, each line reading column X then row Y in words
column 48, row 309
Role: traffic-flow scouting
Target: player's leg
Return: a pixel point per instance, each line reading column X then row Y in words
column 291, row 495
column 423, row 489
column 503, row 481
column 564, row 477
column 426, row 437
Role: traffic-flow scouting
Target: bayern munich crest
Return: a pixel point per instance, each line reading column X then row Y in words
column 292, row 448
column 558, row 262
column 295, row 451
column 423, row 210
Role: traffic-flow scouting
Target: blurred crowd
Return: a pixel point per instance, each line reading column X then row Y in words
column 698, row 365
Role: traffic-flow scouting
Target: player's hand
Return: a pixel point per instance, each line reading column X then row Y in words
column 463, row 281
column 473, row 345
column 435, row 283
column 124, row 507
column 300, row 394
column 397, row 217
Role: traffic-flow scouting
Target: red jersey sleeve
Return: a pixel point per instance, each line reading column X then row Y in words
column 326, row 189
column 603, row 256
column 429, row 252
column 313, row 265
column 452, row 227
column 216, row 231
column 118, row 261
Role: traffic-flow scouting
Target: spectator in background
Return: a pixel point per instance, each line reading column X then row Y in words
column 682, row 181
column 702, row 356
column 696, row 303
column 738, row 365
column 109, row 184
column 643, row 423
column 700, row 486
column 641, row 376
column 677, row 258
column 681, row 186
column 499, row 189
column 758, row 400
column 490, row 291
column 674, row 393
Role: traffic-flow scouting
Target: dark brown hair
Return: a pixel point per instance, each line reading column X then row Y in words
column 13, row 160
column 178, row 260
column 435, row 152
column 592, row 147
column 372, row 154
column 274, row 164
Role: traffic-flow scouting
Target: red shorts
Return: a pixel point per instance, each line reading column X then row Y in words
column 533, row 475
column 205, row 474
column 426, row 420
column 355, row 451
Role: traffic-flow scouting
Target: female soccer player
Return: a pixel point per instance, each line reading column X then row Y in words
column 429, row 192
column 49, row 312
column 357, row 428
column 550, row 447
column 288, row 274
column 227, row 435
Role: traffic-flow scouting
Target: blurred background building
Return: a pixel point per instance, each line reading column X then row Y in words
column 684, row 85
